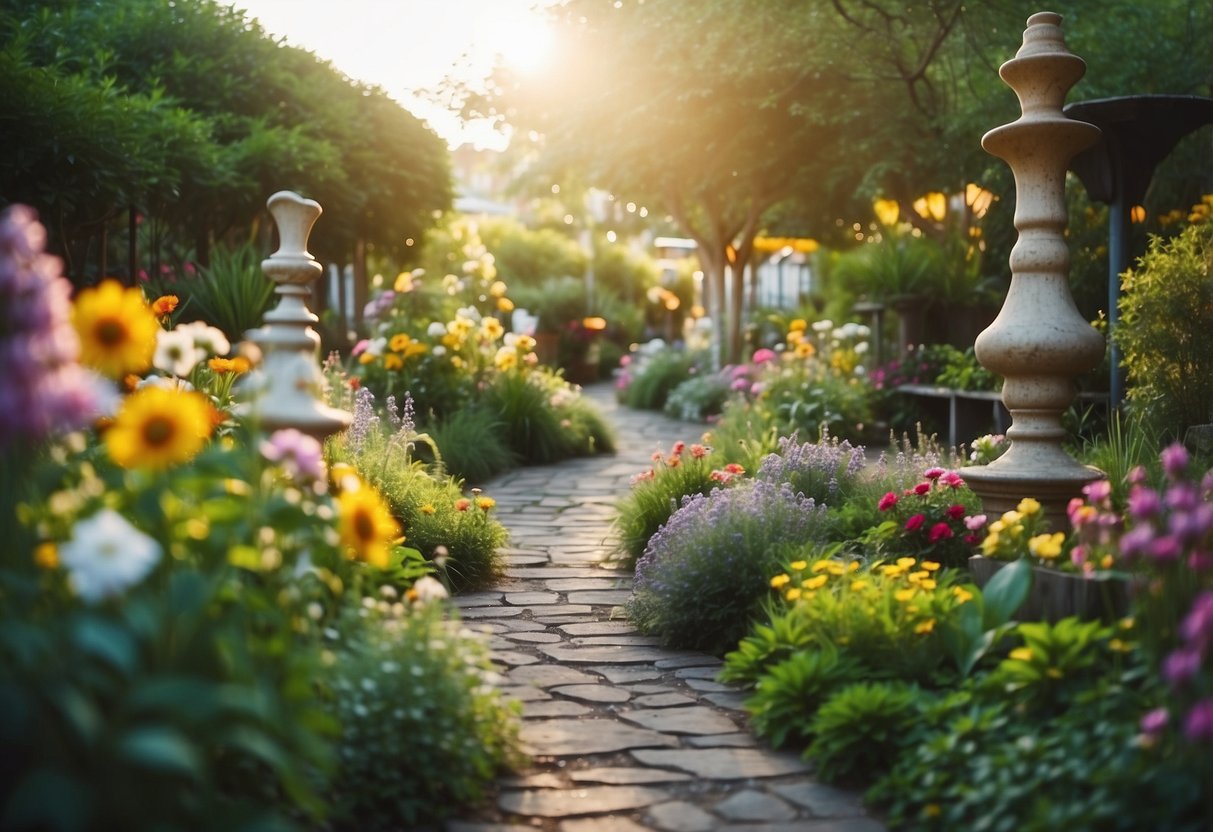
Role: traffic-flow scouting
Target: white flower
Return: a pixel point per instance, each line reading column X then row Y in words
column 176, row 352
column 861, row 347
column 377, row 346
column 206, row 337
column 436, row 329
column 107, row 555
column 469, row 312
column 823, row 325
column 439, row 350
column 165, row 382
column 429, row 589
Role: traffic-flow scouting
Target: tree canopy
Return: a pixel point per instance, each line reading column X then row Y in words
column 728, row 113
column 192, row 115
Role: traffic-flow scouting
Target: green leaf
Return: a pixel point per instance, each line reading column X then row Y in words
column 1005, row 592
column 162, row 749
column 106, row 641
column 48, row 799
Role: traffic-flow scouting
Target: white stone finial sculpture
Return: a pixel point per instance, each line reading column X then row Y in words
column 287, row 393
column 1039, row 343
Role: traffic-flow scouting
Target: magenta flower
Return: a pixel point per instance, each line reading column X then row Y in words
column 915, row 522
column 956, row 512
column 938, row 532
column 763, row 355
column 952, row 479
column 1155, row 722
column 1144, row 503
column 1197, row 626
column 922, row 488
column 1200, row 562
column 299, row 454
column 1098, row 491
column 1180, row 666
column 934, row 473
column 1174, row 460
column 887, row 501
column 1165, row 550
column 1198, row 724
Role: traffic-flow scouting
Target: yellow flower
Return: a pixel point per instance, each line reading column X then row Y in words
column 932, row 810
column 485, row 503
column 1028, row 507
column 853, row 566
column 890, row 570
column 821, row 566
column 491, row 329
column 366, row 358
column 904, row 595
column 929, row 565
column 404, row 282
column 1046, row 546
column 117, row 329
column 158, row 428
column 164, row 305
column 835, row 568
column 925, row 627
column 1021, row 654
column 391, row 361
column 222, row 366
column 524, row 343
column 46, row 555
column 915, row 577
column 505, row 305
column 497, row 289
column 506, row 359
column 906, row 563
column 366, row 526
column 990, row 545
column 816, row 583
column 962, row 594
column 399, row 341
column 792, row 594
column 798, row 565
column 1119, row 646
column 805, row 350
column 1011, row 518
column 779, row 580
column 927, row 584
column 798, row 325
column 457, row 362
column 859, row 585
column 428, row 508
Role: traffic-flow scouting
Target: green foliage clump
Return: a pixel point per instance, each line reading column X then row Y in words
column 861, row 729
column 651, row 377
column 545, row 420
column 1166, row 314
column 795, row 687
column 423, row 731
column 472, row 446
column 230, row 293
column 698, row 397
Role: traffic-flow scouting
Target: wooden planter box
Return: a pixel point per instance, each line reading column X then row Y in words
column 1056, row 595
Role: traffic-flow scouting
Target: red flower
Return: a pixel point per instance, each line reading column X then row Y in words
column 887, row 501
column 463, row 504
column 956, row 512
column 934, row 473
column 734, row 468
column 938, row 532
column 678, row 448
column 922, row 488
column 915, row 522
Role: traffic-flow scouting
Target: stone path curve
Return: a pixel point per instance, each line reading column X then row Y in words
column 625, row 736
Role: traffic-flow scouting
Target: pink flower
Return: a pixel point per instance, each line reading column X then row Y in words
column 299, row 454
column 1180, row 666
column 934, row 473
column 938, row 532
column 678, row 448
column 1174, row 460
column 887, row 501
column 763, row 355
column 922, row 488
column 915, row 522
column 951, row 478
column 1155, row 722
column 975, row 523
column 1098, row 491
column 698, row 451
column 360, row 347
column 1198, row 724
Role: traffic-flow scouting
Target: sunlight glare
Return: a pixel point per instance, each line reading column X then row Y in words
column 524, row 42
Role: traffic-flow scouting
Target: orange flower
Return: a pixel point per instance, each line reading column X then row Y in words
column 165, row 305
column 463, row 504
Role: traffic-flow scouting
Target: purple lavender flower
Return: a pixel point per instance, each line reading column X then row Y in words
column 814, row 469
column 42, row 388
column 1165, row 550
column 364, row 417
column 1198, row 724
column 1136, row 542
column 1144, row 503
column 1155, row 722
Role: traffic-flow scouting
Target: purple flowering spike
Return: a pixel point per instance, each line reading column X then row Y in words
column 1180, row 666
column 1198, row 724
column 1144, row 503
column 1174, row 460
column 1197, row 626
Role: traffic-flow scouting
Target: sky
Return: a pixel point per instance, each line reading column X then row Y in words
column 409, row 46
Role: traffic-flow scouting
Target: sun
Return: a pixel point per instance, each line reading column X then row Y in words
column 523, row 41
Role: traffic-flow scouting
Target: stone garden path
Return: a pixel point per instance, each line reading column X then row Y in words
column 624, row 736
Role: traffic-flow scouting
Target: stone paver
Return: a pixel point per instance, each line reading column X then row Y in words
column 626, row 736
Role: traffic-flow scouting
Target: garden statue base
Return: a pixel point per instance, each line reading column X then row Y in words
column 1056, row 595
column 1001, row 487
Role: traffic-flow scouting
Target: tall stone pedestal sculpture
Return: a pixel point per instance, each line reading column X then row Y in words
column 287, row 390
column 1038, row 343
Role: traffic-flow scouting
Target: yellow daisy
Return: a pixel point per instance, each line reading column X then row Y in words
column 366, row 526
column 159, row 427
column 117, row 329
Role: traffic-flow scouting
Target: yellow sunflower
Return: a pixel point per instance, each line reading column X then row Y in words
column 117, row 329
column 158, row 428
column 367, row 527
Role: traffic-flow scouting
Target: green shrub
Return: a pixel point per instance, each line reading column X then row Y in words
column 1166, row 314
column 651, row 378
column 860, row 730
column 470, row 440
column 544, row 419
column 704, row 574
column 698, row 398
column 656, row 494
column 423, row 730
column 231, row 293
column 790, row 691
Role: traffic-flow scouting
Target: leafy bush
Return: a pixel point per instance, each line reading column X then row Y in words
column 933, row 519
column 704, row 573
column 861, row 729
column 656, row 494
column 650, row 376
column 230, row 293
column 470, row 440
column 546, row 420
column 423, row 730
column 1166, row 313
column 699, row 397
column 790, row 691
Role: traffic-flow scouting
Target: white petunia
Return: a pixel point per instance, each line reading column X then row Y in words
column 107, row 555
column 428, row 589
column 207, row 337
column 824, row 325
column 176, row 353
column 436, row 329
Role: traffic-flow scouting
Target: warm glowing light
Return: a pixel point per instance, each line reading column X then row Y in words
column 594, row 324
column 887, row 211
column 978, row 199
column 611, row 236
column 524, row 42
column 933, row 206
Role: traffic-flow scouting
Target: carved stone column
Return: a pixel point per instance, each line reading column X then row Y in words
column 1039, row 342
column 288, row 387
